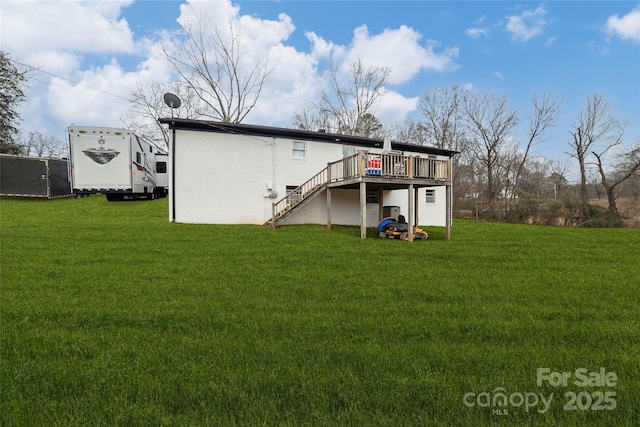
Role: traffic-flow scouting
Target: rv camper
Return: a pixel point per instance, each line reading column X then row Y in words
column 34, row 177
column 114, row 162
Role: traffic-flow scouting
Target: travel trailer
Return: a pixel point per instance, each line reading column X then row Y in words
column 114, row 162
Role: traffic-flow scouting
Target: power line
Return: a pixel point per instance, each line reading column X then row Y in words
column 72, row 89
column 70, row 80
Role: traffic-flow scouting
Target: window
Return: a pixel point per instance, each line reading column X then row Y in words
column 372, row 196
column 138, row 158
column 161, row 167
column 294, row 195
column 299, row 149
column 348, row 151
column 431, row 196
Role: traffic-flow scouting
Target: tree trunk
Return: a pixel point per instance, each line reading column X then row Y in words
column 583, row 188
column 612, row 206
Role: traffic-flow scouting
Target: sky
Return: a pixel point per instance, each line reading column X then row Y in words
column 90, row 55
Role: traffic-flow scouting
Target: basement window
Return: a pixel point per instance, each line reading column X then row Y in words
column 372, row 196
column 293, row 193
column 431, row 196
column 299, row 149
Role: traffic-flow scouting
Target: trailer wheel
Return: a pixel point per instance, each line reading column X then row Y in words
column 110, row 197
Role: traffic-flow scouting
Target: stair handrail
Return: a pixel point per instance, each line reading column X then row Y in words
column 297, row 195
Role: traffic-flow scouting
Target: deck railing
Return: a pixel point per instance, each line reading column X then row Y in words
column 363, row 164
column 345, row 168
column 388, row 166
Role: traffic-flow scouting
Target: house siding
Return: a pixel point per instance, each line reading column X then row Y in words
column 224, row 178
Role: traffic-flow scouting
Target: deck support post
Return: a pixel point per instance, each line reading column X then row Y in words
column 447, row 233
column 363, row 210
column 411, row 212
column 380, row 203
column 416, row 218
column 328, row 208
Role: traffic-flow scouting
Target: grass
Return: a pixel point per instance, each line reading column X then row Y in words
column 111, row 315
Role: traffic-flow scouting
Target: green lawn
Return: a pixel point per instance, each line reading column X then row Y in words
column 111, row 315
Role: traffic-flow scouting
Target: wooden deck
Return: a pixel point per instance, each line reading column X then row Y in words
column 377, row 171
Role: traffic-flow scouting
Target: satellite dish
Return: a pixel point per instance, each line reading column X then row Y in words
column 172, row 100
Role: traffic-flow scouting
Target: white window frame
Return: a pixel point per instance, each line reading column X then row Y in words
column 430, row 196
column 299, row 150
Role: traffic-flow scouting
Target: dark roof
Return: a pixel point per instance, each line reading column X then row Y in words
column 244, row 129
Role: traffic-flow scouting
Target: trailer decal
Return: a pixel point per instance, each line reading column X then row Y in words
column 101, row 155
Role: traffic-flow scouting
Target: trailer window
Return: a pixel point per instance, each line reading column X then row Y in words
column 138, row 157
column 161, row 167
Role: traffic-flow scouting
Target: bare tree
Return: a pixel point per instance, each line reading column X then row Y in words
column 593, row 125
column 490, row 122
column 148, row 105
column 558, row 177
column 545, row 110
column 443, row 124
column 39, row 145
column 213, row 62
column 628, row 165
column 345, row 107
column 410, row 131
column 309, row 119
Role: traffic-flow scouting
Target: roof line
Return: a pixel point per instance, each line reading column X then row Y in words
column 257, row 130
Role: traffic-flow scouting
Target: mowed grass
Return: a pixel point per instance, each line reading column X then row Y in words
column 111, row 315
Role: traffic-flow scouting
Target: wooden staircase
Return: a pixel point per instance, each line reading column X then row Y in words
column 298, row 197
column 362, row 165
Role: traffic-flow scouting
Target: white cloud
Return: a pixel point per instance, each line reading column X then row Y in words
column 498, row 74
column 99, row 96
column 63, row 37
column 401, row 51
column 475, row 33
column 78, row 26
column 527, row 25
column 394, row 107
column 627, row 27
column 320, row 48
column 293, row 84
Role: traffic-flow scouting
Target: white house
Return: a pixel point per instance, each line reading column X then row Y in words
column 225, row 173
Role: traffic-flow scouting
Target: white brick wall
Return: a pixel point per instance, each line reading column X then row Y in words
column 223, row 178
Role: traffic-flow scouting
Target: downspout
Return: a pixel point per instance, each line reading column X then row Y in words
column 273, row 182
column 451, row 180
column 173, row 173
column 273, row 163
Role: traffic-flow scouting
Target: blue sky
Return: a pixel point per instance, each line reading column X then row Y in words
column 92, row 54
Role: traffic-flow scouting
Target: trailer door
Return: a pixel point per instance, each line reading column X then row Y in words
column 23, row 176
column 59, row 184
